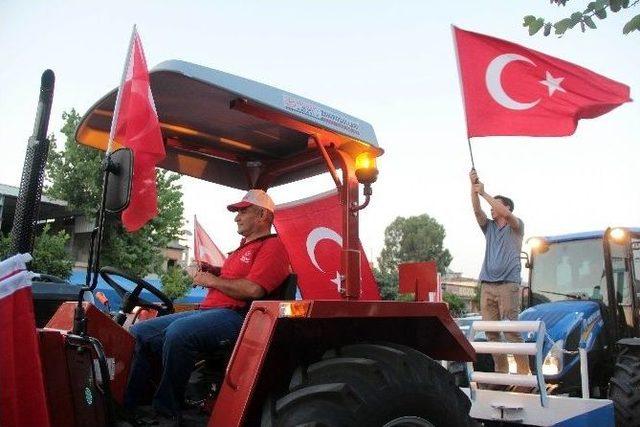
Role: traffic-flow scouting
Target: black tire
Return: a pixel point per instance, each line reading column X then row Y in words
column 371, row 385
column 624, row 387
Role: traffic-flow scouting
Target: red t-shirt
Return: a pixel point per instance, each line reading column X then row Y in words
column 263, row 261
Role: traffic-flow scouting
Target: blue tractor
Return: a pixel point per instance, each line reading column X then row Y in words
column 585, row 287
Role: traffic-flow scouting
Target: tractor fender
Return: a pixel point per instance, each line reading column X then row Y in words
column 278, row 336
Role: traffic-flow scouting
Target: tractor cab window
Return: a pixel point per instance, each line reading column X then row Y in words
column 622, row 286
column 569, row 270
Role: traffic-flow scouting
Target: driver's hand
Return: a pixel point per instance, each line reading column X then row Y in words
column 192, row 270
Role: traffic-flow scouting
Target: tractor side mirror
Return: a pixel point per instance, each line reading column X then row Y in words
column 119, row 165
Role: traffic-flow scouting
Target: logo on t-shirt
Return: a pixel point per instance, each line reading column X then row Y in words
column 246, row 257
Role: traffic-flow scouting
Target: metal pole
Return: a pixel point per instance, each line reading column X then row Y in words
column 584, row 371
column 28, row 203
column 473, row 165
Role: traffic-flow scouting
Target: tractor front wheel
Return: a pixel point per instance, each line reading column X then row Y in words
column 371, row 385
column 624, row 387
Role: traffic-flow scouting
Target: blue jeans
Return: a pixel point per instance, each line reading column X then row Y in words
column 179, row 338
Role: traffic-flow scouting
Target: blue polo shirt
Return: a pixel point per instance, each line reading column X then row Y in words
column 502, row 253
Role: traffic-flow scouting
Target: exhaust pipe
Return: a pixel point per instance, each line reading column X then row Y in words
column 28, row 203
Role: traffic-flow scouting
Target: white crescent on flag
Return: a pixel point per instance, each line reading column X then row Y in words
column 494, row 85
column 315, row 236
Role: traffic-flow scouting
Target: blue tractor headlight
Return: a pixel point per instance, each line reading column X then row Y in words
column 554, row 361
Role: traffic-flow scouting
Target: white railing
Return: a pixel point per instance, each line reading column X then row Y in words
column 492, row 347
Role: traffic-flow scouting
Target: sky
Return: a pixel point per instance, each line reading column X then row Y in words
column 391, row 64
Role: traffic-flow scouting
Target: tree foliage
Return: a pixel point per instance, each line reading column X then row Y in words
column 412, row 239
column 49, row 253
column 74, row 174
column 585, row 19
column 175, row 283
column 456, row 304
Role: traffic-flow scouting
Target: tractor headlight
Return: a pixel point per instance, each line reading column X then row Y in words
column 538, row 244
column 554, row 361
column 618, row 234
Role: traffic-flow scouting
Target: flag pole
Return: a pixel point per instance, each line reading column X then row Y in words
column 473, row 165
column 93, row 264
column 114, row 119
column 464, row 105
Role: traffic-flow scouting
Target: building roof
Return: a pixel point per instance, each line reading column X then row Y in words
column 49, row 208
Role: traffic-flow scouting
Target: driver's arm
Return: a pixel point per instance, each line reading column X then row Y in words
column 242, row 289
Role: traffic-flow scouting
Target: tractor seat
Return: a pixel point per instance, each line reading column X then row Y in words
column 286, row 291
column 209, row 370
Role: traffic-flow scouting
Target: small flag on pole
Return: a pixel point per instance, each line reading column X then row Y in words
column 135, row 125
column 204, row 250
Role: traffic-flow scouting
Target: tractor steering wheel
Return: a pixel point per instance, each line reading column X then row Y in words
column 132, row 298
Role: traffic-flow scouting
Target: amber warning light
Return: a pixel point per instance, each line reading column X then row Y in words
column 366, row 170
column 294, row 309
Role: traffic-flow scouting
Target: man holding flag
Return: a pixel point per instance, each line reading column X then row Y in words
column 508, row 89
column 500, row 275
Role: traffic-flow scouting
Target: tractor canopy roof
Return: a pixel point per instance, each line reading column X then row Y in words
column 230, row 130
column 585, row 235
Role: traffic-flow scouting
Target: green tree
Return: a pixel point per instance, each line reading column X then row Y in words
column 585, row 18
column 175, row 283
column 456, row 304
column 49, row 253
column 412, row 239
column 74, row 174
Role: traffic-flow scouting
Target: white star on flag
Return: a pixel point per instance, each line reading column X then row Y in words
column 553, row 83
column 337, row 280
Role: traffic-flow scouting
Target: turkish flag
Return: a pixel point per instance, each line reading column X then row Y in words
column 511, row 90
column 311, row 231
column 135, row 125
column 22, row 393
column 204, row 250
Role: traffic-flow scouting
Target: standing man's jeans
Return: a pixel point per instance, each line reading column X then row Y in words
column 179, row 338
column 502, row 302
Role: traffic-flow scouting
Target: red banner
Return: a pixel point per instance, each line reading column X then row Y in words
column 311, row 230
column 511, row 90
column 135, row 125
column 22, row 394
column 204, row 250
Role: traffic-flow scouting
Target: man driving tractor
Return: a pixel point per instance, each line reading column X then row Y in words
column 256, row 268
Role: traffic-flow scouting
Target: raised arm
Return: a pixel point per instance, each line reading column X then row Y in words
column 501, row 210
column 481, row 217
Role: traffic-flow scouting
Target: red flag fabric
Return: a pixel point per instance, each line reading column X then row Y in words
column 135, row 125
column 511, row 90
column 310, row 230
column 204, row 250
column 22, row 393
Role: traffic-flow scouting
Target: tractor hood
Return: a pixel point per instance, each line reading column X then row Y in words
column 562, row 318
column 570, row 325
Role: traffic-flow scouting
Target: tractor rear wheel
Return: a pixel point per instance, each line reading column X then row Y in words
column 371, row 385
column 624, row 387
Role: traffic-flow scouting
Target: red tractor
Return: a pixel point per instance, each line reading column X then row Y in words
column 343, row 362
